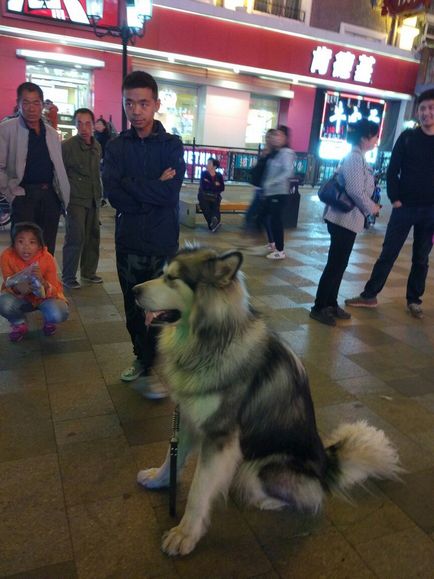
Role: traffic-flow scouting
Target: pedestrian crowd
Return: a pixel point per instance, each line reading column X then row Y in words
column 140, row 173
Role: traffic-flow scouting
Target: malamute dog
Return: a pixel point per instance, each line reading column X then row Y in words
column 244, row 400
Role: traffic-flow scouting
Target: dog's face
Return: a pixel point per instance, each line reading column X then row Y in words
column 170, row 297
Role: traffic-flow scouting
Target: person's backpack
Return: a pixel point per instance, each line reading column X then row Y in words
column 332, row 192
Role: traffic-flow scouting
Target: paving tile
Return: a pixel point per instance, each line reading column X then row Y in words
column 152, row 429
column 98, row 313
column 408, row 554
column 97, row 469
column 368, row 514
column 33, row 525
column 414, row 496
column 107, row 332
column 119, row 538
column 229, row 549
column 89, row 428
column 71, row 367
column 65, row 570
column 113, row 358
column 69, row 401
column 26, row 425
column 132, row 406
column 327, row 555
column 21, row 379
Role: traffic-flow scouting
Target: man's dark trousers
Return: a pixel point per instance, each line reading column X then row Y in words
column 42, row 206
column 401, row 221
column 132, row 270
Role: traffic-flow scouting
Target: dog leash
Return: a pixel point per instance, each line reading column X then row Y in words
column 173, row 461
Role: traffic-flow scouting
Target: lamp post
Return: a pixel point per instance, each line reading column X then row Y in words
column 132, row 18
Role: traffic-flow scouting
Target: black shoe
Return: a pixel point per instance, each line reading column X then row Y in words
column 324, row 316
column 341, row 314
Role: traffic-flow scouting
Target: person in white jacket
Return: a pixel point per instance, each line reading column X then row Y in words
column 278, row 172
column 32, row 175
column 343, row 227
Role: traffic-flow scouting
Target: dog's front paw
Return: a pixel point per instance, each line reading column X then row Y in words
column 178, row 542
column 151, row 478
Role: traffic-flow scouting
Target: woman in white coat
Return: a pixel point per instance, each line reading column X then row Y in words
column 343, row 227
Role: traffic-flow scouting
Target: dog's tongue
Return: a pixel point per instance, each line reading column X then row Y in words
column 150, row 316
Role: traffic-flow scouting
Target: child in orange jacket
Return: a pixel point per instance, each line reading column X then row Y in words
column 30, row 282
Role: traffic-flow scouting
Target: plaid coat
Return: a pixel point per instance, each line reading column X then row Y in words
column 359, row 184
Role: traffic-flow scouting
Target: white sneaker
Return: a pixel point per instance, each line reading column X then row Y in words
column 276, row 255
column 133, row 372
column 150, row 387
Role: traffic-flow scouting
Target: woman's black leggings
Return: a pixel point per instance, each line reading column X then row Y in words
column 275, row 209
column 341, row 246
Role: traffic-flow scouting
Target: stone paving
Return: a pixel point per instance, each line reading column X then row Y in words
column 73, row 436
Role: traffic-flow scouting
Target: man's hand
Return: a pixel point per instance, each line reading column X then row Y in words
column 167, row 174
column 396, row 204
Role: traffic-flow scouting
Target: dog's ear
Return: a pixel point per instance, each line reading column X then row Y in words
column 227, row 266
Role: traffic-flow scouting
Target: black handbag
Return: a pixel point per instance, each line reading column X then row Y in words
column 332, row 193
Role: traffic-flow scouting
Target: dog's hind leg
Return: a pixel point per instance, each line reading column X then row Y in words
column 213, row 475
column 157, row 478
column 251, row 490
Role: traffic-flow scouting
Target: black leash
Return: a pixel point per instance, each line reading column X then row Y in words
column 173, row 461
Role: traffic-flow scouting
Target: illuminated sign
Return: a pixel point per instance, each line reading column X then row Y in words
column 343, row 64
column 64, row 10
column 341, row 110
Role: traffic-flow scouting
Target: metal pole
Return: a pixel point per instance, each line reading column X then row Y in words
column 124, row 74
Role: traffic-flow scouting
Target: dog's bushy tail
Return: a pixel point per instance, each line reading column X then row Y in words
column 356, row 452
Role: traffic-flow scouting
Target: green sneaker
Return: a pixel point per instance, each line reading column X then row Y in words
column 133, row 372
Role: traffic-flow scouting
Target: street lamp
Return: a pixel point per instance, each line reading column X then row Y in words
column 132, row 17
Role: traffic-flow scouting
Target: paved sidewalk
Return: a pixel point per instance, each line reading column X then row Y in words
column 73, row 436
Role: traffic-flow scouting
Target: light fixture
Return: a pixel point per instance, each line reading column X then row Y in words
column 60, row 58
column 133, row 15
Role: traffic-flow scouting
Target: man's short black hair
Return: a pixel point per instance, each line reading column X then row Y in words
column 27, row 226
column 427, row 95
column 140, row 79
column 83, row 111
column 30, row 87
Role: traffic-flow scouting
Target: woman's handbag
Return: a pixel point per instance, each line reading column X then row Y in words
column 334, row 194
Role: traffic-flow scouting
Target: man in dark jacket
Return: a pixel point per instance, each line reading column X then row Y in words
column 142, row 176
column 410, row 188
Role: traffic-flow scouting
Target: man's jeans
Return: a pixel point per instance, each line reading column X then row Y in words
column 54, row 311
column 401, row 221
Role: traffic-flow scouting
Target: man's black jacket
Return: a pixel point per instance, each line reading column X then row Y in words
column 147, row 209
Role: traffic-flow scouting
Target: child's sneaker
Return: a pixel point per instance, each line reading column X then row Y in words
column 18, row 331
column 49, row 329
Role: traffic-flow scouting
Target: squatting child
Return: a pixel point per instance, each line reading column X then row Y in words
column 30, row 282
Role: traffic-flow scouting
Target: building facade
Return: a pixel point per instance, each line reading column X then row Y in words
column 226, row 73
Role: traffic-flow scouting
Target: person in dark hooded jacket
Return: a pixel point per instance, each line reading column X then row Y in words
column 142, row 176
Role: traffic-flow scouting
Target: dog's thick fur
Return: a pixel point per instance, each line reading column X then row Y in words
column 245, row 403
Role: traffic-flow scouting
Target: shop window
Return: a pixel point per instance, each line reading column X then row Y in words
column 284, row 8
column 178, row 110
column 263, row 115
column 69, row 88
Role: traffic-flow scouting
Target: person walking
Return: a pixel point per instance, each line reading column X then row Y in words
column 211, row 187
column 278, row 172
column 82, row 156
column 343, row 227
column 103, row 136
column 143, row 172
column 32, row 175
column 410, row 188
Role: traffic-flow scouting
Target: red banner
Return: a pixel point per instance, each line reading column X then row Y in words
column 403, row 7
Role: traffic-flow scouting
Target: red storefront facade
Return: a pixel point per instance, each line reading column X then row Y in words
column 216, row 48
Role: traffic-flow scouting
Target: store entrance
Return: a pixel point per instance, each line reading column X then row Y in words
column 68, row 88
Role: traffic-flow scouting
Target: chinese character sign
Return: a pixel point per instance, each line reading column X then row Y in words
column 343, row 65
column 64, row 10
column 341, row 110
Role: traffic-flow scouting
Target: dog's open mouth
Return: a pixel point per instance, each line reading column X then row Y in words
column 162, row 317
